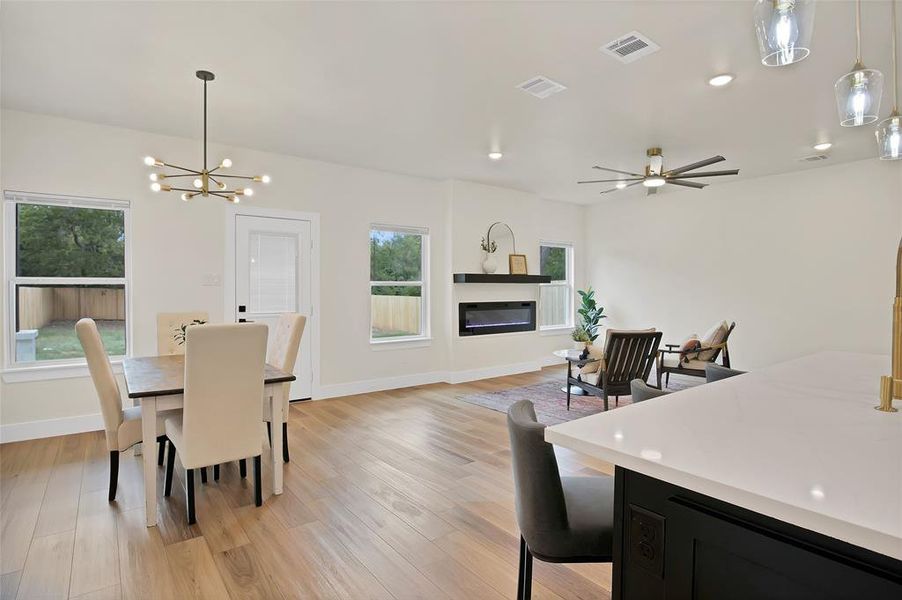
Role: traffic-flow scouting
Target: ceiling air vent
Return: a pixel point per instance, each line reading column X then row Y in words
column 630, row 47
column 814, row 158
column 541, row 87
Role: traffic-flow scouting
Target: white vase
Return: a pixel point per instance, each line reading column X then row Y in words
column 489, row 265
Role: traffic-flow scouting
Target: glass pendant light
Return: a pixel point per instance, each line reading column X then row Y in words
column 784, row 30
column 889, row 131
column 858, row 92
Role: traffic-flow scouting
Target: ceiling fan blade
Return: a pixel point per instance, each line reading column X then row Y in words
column 616, row 171
column 691, row 184
column 618, row 189
column 710, row 174
column 696, row 165
column 609, row 180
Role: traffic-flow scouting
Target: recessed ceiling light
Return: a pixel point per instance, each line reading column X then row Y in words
column 495, row 155
column 720, row 80
column 620, row 185
column 823, row 146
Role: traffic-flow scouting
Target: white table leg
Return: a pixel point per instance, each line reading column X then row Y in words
column 149, row 431
column 275, row 397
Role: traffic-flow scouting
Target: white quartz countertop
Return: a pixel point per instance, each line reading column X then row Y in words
column 799, row 442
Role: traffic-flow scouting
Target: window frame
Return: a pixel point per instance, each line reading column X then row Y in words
column 423, row 283
column 11, row 199
column 568, row 283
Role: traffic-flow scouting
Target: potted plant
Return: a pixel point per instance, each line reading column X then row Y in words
column 590, row 314
column 580, row 337
column 489, row 264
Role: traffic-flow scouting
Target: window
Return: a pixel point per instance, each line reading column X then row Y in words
column 66, row 259
column 398, row 290
column 556, row 298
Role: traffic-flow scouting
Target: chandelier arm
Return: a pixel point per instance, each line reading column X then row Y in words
column 167, row 176
column 235, row 176
column 171, row 166
column 175, row 189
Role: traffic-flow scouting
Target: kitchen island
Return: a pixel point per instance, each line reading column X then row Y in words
column 780, row 483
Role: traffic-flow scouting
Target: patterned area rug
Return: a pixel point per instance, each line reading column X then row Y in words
column 551, row 402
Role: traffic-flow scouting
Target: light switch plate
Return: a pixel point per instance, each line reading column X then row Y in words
column 211, row 279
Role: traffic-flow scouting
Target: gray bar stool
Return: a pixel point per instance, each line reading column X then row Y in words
column 561, row 519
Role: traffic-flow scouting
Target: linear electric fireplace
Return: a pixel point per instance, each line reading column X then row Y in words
column 485, row 318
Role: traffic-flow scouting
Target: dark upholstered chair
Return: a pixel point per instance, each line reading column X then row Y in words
column 641, row 391
column 715, row 372
column 561, row 519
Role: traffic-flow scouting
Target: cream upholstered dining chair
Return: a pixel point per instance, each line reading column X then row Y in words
column 122, row 425
column 171, row 328
column 222, row 414
column 285, row 339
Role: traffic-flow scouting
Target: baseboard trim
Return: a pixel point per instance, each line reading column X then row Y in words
column 366, row 386
column 30, row 430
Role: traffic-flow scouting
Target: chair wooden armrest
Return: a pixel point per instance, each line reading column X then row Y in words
column 670, row 351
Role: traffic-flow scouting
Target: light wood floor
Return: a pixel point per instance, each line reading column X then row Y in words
column 399, row 494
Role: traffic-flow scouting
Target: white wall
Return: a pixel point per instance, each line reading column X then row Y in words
column 533, row 221
column 175, row 244
column 802, row 262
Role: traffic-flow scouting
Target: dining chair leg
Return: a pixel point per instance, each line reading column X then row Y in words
column 285, row 442
column 242, row 468
column 605, row 398
column 269, row 432
column 527, row 574
column 170, row 469
column 215, row 472
column 161, row 452
column 189, row 486
column 114, row 473
column 203, row 475
column 667, row 379
column 258, row 480
column 521, row 568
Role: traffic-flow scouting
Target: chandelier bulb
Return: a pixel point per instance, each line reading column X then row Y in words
column 186, row 196
column 265, row 179
column 150, row 161
column 234, row 199
column 248, row 192
column 156, row 187
column 226, row 163
column 222, row 185
column 154, row 177
column 198, row 183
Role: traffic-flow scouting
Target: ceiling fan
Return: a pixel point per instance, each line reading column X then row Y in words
column 655, row 176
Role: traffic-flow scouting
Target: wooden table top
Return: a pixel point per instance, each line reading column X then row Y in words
column 165, row 375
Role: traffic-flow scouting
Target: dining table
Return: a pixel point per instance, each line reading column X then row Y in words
column 158, row 383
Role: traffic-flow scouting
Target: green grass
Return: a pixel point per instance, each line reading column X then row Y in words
column 57, row 340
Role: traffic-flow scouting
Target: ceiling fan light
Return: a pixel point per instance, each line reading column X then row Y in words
column 889, row 138
column 858, row 96
column 653, row 181
column 784, row 29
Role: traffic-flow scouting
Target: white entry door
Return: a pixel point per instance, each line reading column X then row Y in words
column 272, row 277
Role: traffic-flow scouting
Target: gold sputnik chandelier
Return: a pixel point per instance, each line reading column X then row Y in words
column 207, row 182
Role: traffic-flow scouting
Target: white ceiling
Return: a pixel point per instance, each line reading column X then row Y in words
column 428, row 88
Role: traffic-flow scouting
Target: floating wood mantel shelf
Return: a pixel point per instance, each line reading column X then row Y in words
column 499, row 278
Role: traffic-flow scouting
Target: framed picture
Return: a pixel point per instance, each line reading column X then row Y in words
column 517, row 264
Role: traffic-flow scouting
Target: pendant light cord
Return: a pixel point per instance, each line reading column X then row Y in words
column 895, row 64
column 858, row 31
column 205, row 124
